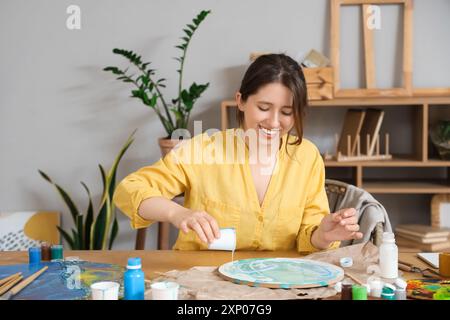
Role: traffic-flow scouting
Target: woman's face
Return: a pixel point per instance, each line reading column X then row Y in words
column 269, row 112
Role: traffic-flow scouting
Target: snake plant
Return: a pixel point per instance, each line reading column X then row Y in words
column 93, row 232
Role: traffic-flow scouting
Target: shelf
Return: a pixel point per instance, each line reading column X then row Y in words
column 406, row 187
column 397, row 161
column 385, row 102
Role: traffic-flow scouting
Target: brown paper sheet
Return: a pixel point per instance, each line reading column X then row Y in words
column 203, row 283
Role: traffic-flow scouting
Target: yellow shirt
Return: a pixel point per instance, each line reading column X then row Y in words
column 294, row 204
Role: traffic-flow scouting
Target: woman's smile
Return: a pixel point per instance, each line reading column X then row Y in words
column 269, row 133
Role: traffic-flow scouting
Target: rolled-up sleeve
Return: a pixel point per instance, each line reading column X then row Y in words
column 316, row 207
column 166, row 178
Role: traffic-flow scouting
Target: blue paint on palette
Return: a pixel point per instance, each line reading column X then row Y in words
column 282, row 272
column 65, row 280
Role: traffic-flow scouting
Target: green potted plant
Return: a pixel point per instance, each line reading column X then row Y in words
column 440, row 136
column 93, row 231
column 147, row 88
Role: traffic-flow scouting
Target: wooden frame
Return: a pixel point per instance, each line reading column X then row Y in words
column 431, row 92
column 436, row 210
column 224, row 112
column 371, row 91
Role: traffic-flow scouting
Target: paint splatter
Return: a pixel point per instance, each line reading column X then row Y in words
column 65, row 280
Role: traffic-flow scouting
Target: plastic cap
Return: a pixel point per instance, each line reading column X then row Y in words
column 346, row 262
column 134, row 263
column 338, row 286
column 388, row 235
column 388, row 288
column 400, row 283
column 359, row 292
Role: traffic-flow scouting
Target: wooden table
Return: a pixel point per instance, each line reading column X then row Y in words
column 156, row 261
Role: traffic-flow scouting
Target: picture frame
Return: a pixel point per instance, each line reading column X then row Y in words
column 369, row 59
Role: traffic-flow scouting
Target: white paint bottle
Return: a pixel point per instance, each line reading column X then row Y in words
column 388, row 257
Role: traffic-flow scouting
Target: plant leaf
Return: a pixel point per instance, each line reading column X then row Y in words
column 98, row 229
column 88, row 220
column 153, row 100
column 101, row 224
column 73, row 209
column 80, row 232
column 66, row 237
column 178, row 114
column 114, row 232
column 95, row 243
column 76, row 244
column 136, row 93
column 112, row 173
column 103, row 174
column 114, row 70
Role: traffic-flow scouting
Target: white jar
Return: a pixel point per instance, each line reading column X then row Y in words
column 388, row 256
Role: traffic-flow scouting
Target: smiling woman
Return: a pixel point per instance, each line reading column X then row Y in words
column 273, row 96
column 275, row 199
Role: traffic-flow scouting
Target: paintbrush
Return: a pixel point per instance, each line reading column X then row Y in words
column 8, row 295
column 8, row 285
column 352, row 276
column 5, row 280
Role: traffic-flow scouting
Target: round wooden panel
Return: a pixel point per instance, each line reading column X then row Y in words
column 281, row 273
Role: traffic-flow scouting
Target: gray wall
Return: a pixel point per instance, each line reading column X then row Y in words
column 61, row 113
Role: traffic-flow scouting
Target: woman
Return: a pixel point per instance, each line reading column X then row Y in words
column 272, row 191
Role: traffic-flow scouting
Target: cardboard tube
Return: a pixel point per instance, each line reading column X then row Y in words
column 444, row 264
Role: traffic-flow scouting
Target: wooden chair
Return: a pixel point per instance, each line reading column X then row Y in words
column 336, row 194
column 163, row 237
column 25, row 229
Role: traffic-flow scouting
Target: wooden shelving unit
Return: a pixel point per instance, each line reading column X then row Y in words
column 406, row 187
column 419, row 158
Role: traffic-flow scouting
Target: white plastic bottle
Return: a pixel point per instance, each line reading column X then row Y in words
column 388, row 256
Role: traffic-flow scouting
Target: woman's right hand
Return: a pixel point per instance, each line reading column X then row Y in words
column 201, row 222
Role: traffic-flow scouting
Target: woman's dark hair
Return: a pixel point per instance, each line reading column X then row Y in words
column 277, row 68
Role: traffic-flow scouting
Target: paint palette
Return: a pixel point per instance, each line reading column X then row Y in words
column 281, row 273
column 424, row 289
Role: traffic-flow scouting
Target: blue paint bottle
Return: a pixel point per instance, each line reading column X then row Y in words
column 133, row 280
column 34, row 255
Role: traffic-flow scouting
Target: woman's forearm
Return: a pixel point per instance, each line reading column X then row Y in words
column 159, row 209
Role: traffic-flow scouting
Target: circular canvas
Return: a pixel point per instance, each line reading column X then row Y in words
column 281, row 273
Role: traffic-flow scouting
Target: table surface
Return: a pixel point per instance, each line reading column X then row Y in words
column 155, row 262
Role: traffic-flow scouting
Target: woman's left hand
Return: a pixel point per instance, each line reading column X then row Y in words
column 339, row 226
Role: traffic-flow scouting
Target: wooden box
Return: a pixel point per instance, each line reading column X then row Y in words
column 319, row 82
